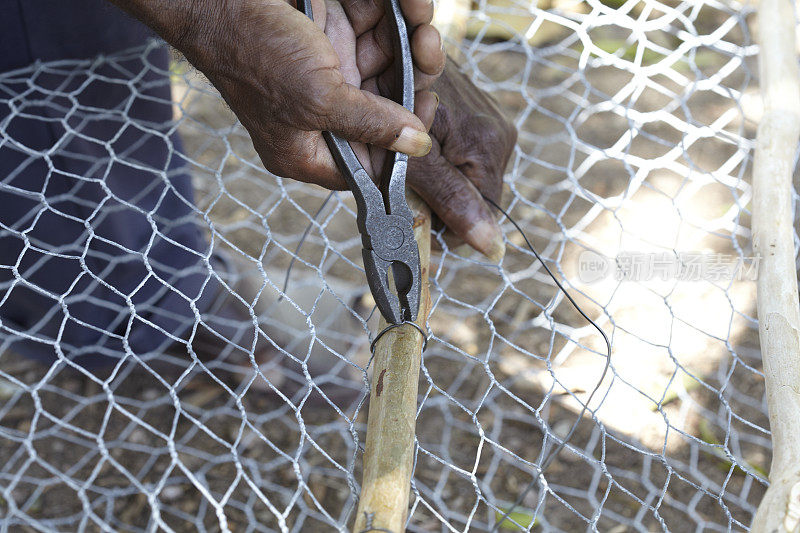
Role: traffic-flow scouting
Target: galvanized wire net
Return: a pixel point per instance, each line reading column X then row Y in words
column 631, row 175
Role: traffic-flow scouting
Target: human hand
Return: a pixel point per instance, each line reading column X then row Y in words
column 472, row 144
column 283, row 78
column 472, row 141
column 362, row 35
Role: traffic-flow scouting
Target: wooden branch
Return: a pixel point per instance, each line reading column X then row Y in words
column 773, row 241
column 389, row 451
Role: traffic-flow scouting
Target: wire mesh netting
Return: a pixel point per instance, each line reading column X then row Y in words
column 631, row 176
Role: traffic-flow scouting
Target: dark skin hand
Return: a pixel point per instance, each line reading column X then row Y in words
column 472, row 144
column 282, row 76
column 288, row 78
column 471, row 140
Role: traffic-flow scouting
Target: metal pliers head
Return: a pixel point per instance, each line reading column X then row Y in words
column 387, row 234
column 384, row 219
column 402, row 303
column 393, row 250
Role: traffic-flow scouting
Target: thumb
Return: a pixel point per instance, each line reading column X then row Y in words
column 360, row 116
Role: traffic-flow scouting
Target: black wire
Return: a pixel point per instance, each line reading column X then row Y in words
column 300, row 244
column 574, row 427
column 551, row 457
column 305, row 6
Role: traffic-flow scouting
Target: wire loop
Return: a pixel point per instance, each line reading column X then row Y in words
column 369, row 517
column 392, row 326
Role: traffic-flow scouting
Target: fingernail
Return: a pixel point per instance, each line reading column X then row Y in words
column 412, row 142
column 436, row 95
column 487, row 238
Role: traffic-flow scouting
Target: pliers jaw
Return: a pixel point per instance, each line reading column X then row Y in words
column 399, row 303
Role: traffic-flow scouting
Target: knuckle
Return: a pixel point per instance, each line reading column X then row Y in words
column 366, row 125
column 320, row 101
column 441, row 122
column 447, row 201
column 426, row 170
column 495, row 133
column 487, row 127
column 449, row 192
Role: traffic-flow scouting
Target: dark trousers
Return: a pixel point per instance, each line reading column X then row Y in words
column 101, row 254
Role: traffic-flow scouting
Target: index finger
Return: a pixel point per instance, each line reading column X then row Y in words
column 457, row 202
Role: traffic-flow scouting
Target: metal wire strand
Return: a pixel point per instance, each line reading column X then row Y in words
column 392, row 326
column 549, row 459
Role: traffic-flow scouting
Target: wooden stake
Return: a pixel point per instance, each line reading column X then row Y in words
column 773, row 241
column 389, row 451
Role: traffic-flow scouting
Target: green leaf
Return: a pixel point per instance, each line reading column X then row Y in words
column 520, row 515
column 613, row 46
column 686, row 382
column 724, row 463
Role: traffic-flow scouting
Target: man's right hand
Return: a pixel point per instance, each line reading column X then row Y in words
column 287, row 81
column 281, row 75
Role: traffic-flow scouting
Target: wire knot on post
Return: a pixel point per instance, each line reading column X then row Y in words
column 368, row 517
column 380, row 334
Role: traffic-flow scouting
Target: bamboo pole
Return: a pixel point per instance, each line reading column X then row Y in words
column 389, row 451
column 773, row 241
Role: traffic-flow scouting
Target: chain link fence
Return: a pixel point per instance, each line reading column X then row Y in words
column 631, row 177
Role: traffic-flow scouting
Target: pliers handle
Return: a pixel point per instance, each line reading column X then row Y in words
column 384, row 218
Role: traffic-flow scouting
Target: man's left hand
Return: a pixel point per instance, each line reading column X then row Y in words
column 472, row 143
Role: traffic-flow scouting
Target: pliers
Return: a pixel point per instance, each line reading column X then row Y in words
column 383, row 216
